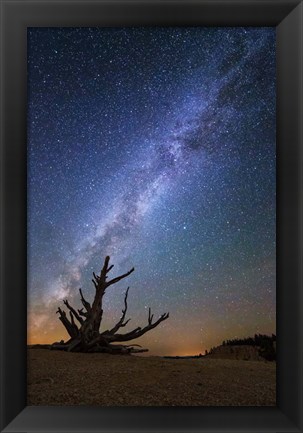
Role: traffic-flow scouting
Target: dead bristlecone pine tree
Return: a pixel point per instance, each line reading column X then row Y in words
column 83, row 325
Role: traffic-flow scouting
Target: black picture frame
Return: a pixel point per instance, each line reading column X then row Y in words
column 287, row 17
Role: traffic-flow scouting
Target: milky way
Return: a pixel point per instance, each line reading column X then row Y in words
column 155, row 146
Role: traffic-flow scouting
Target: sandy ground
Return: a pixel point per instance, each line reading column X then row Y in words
column 61, row 378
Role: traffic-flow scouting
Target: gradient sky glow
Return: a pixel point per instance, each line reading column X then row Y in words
column 155, row 146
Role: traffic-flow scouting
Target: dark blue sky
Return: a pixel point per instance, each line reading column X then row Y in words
column 155, row 146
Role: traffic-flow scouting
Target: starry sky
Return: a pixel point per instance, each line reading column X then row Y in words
column 155, row 146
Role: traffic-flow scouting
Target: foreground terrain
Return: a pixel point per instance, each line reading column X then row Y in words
column 62, row 378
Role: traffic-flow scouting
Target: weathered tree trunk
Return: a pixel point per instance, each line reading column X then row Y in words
column 85, row 336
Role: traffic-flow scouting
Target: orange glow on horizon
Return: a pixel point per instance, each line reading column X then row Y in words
column 154, row 350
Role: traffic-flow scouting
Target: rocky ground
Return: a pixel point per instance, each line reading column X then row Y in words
column 61, row 378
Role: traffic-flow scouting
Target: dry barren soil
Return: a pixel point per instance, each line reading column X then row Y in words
column 61, row 378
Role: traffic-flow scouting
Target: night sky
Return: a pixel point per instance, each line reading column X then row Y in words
column 155, row 146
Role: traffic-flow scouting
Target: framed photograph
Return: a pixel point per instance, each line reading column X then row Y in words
column 151, row 198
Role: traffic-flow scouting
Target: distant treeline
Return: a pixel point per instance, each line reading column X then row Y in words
column 257, row 340
column 266, row 345
column 184, row 357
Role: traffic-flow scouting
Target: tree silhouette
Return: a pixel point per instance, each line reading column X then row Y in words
column 83, row 325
